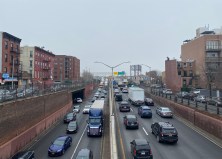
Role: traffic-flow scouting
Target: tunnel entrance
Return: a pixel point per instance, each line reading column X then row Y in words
column 77, row 94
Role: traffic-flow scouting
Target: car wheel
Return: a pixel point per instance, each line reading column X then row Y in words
column 152, row 131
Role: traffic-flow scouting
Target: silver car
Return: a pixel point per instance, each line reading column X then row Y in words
column 164, row 112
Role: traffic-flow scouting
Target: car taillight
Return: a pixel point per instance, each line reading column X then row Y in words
column 161, row 134
column 134, row 152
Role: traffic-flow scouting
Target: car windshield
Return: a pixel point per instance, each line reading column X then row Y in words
column 58, row 142
column 139, row 147
column 87, row 106
column 72, row 124
column 146, row 110
column 95, row 121
column 165, row 109
column 169, row 130
column 131, row 119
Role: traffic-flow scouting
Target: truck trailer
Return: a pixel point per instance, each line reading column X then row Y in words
column 95, row 120
column 136, row 96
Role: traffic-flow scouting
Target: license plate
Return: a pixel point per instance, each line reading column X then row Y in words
column 124, row 107
column 170, row 134
column 142, row 153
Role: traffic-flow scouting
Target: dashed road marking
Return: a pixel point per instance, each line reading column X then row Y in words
column 131, row 109
column 145, row 131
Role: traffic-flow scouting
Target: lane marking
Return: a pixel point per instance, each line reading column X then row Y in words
column 145, row 131
column 131, row 109
column 78, row 142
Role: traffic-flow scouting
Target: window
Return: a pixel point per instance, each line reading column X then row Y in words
column 30, row 72
column 11, row 70
column 6, row 57
column 191, row 73
column 5, row 69
column 11, row 46
column 6, row 44
column 12, row 58
column 190, row 64
column 30, row 63
column 179, row 73
column 31, row 54
column 212, row 45
column 184, row 64
column 185, row 73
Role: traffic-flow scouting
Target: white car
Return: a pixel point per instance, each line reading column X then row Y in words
column 86, row 109
column 76, row 109
column 79, row 100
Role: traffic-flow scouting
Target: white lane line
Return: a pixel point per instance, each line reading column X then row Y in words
column 145, row 131
column 131, row 109
column 78, row 142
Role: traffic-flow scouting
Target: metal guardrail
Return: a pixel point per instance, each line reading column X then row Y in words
column 24, row 91
column 188, row 102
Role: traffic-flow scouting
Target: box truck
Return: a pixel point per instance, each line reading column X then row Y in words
column 136, row 96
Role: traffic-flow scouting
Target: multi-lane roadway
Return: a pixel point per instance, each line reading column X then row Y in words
column 191, row 145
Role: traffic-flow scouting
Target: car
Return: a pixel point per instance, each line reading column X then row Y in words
column 125, row 90
column 200, row 98
column 76, row 108
column 72, row 127
column 59, row 146
column 69, row 117
column 24, row 155
column 118, row 97
column 93, row 99
column 164, row 112
column 140, row 149
column 124, row 106
column 86, row 109
column 102, row 95
column 79, row 100
column 181, row 94
column 85, row 154
column 149, row 101
column 214, row 101
column 130, row 121
column 168, row 92
column 116, row 91
column 164, row 132
column 145, row 111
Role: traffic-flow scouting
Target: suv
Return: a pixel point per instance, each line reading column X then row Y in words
column 24, row 155
column 85, row 153
column 130, row 121
column 164, row 132
column 145, row 111
column 118, row 97
column 140, row 149
column 124, row 106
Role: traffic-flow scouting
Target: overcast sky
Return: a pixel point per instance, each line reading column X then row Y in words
column 110, row 31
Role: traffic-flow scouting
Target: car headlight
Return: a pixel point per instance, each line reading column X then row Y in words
column 100, row 129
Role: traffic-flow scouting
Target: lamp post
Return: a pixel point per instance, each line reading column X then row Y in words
column 112, row 67
column 149, row 71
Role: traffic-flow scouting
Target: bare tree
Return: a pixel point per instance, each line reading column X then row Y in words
column 87, row 76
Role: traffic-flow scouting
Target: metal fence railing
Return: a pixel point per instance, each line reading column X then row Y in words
column 8, row 94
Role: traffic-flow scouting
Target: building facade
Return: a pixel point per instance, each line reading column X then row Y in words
column 9, row 58
column 66, row 69
column 205, row 50
column 39, row 63
column 180, row 75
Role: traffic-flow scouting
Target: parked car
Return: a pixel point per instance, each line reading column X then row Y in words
column 164, row 132
column 93, row 99
column 72, row 127
column 168, row 92
column 200, row 98
column 24, row 155
column 181, row 94
column 215, row 101
column 79, row 100
column 76, row 108
column 59, row 146
column 145, row 111
column 85, row 154
column 86, row 109
column 125, row 90
column 118, row 97
column 149, row 102
column 140, row 149
column 164, row 112
column 69, row 117
column 130, row 121
column 124, row 106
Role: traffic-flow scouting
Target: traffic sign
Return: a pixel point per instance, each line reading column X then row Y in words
column 5, row 75
column 119, row 73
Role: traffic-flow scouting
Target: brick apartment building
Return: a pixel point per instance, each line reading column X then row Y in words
column 66, row 68
column 39, row 63
column 179, row 74
column 9, row 58
column 205, row 50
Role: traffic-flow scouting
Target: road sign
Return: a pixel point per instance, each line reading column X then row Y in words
column 5, row 75
column 115, row 73
column 119, row 73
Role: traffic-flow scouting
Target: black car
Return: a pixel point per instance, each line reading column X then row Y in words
column 85, row 154
column 124, row 106
column 145, row 111
column 140, row 149
column 164, row 132
column 118, row 97
column 59, row 146
column 69, row 117
column 24, row 155
column 149, row 102
column 72, row 127
column 130, row 121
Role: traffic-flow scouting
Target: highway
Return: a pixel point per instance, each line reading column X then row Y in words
column 80, row 139
column 191, row 145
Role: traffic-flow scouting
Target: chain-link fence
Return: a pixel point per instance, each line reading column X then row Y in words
column 7, row 93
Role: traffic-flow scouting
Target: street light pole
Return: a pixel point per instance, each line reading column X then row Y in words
column 149, row 71
column 112, row 67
